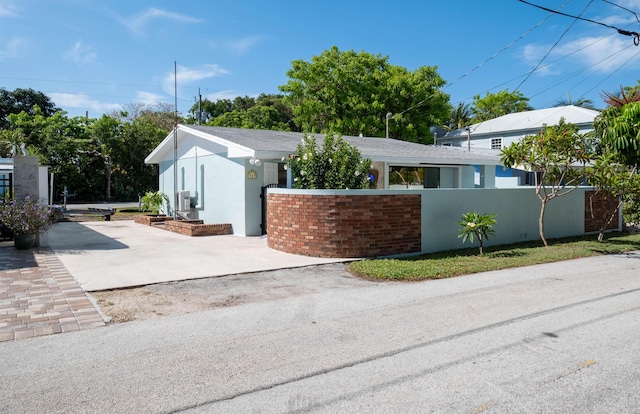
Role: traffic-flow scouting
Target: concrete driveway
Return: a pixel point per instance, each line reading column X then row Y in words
column 116, row 254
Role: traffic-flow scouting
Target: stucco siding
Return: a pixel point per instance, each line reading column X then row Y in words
column 517, row 212
column 216, row 181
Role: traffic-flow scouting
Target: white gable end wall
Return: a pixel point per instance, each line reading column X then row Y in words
column 218, row 185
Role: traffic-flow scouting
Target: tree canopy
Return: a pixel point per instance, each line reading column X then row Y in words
column 14, row 102
column 494, row 105
column 267, row 111
column 352, row 93
column 95, row 159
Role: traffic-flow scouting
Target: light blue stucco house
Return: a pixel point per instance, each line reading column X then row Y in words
column 221, row 174
column 493, row 135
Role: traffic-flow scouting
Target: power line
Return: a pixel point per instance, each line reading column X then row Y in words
column 570, row 76
column 612, row 73
column 580, row 71
column 635, row 35
column 484, row 62
column 554, row 45
column 505, row 48
column 623, row 8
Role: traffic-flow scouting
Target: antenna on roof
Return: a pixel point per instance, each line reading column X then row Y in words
column 437, row 133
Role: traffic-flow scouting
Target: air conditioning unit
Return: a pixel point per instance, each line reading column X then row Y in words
column 184, row 200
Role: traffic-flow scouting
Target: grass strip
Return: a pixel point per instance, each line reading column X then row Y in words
column 467, row 261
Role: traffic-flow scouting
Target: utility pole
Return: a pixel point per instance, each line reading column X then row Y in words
column 199, row 106
column 387, row 117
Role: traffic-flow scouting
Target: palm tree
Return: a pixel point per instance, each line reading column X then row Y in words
column 460, row 116
column 581, row 102
column 625, row 96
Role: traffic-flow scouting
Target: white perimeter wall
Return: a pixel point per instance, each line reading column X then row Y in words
column 517, row 209
column 517, row 212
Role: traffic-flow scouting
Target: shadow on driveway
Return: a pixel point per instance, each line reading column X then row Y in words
column 74, row 238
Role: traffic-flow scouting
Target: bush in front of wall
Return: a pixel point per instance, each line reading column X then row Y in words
column 477, row 225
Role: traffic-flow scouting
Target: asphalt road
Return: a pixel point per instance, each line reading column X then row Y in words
column 553, row 338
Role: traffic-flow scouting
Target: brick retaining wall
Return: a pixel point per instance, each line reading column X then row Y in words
column 185, row 227
column 150, row 220
column 344, row 225
column 197, row 228
column 602, row 206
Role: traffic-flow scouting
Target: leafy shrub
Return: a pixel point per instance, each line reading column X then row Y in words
column 337, row 165
column 28, row 216
column 478, row 225
column 152, row 201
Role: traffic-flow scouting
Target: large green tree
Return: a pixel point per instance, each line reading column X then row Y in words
column 59, row 142
column 131, row 175
column 104, row 134
column 256, row 117
column 18, row 100
column 618, row 131
column 161, row 114
column 618, row 128
column 494, row 105
column 352, row 93
column 95, row 159
column 267, row 111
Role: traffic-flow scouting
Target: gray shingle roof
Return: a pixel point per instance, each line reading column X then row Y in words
column 529, row 120
column 378, row 149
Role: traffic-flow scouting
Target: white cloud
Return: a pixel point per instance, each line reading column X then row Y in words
column 229, row 94
column 14, row 48
column 83, row 102
column 238, row 46
column 80, row 54
column 189, row 75
column 7, row 9
column 604, row 54
column 137, row 24
column 532, row 54
column 149, row 98
column 601, row 54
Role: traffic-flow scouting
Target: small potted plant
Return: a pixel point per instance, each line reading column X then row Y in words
column 26, row 219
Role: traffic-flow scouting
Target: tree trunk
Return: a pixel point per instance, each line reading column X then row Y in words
column 541, row 222
column 610, row 216
column 108, row 173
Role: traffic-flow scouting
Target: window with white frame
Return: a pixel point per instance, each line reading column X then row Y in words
column 496, row 143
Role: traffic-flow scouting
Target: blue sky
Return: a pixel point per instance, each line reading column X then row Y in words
column 96, row 56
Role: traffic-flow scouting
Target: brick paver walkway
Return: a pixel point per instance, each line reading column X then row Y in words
column 38, row 296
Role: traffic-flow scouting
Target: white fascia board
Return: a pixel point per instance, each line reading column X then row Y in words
column 154, row 157
column 272, row 155
column 436, row 161
column 233, row 150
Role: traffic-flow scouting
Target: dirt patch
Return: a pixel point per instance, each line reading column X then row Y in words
column 163, row 299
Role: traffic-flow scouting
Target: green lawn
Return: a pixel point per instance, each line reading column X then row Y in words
column 467, row 261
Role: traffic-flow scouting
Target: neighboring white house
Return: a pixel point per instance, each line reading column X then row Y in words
column 7, row 180
column 221, row 173
column 494, row 135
